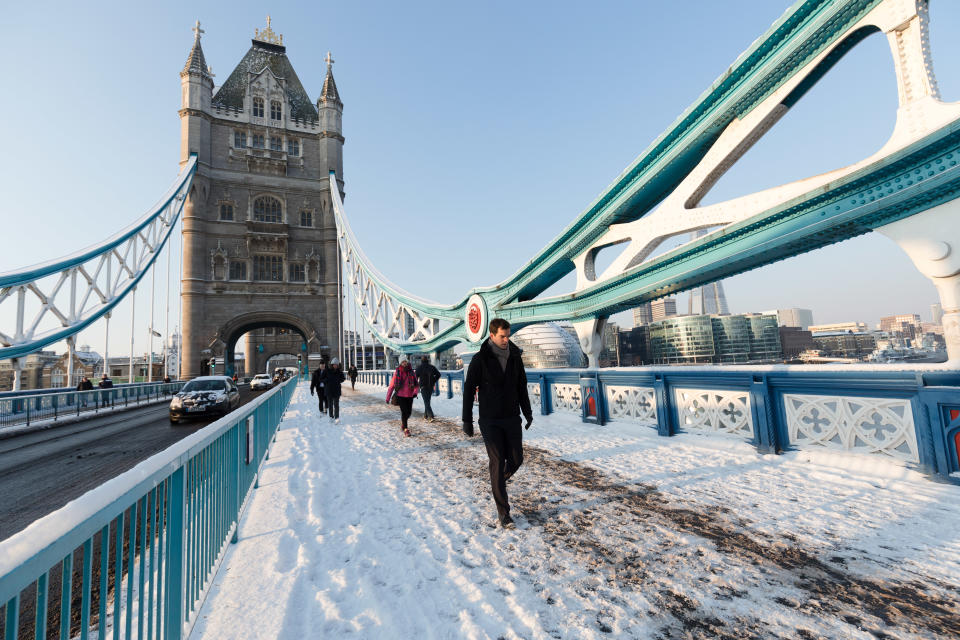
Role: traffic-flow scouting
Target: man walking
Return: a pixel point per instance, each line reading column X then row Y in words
column 427, row 376
column 316, row 383
column 352, row 372
column 497, row 372
column 332, row 387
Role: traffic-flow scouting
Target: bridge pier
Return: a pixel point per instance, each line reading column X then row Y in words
column 932, row 240
column 590, row 333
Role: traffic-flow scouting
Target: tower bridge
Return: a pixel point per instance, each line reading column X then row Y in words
column 267, row 240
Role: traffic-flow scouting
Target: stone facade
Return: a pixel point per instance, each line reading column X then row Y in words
column 258, row 228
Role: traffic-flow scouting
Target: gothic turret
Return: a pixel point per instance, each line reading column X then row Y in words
column 330, row 109
column 196, row 83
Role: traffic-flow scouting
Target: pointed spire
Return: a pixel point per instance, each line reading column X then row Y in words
column 195, row 61
column 329, row 91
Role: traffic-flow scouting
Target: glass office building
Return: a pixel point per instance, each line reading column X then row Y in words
column 549, row 346
column 717, row 339
column 682, row 340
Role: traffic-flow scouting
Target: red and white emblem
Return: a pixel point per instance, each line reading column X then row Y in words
column 476, row 318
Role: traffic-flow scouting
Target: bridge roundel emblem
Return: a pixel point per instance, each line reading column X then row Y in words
column 476, row 318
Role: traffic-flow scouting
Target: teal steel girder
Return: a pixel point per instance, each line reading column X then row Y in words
column 840, row 210
column 26, row 277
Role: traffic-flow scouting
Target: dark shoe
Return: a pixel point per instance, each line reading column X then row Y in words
column 406, row 432
column 506, row 522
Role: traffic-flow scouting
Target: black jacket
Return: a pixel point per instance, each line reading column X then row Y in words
column 332, row 382
column 84, row 385
column 105, row 383
column 427, row 376
column 352, row 372
column 318, row 379
column 503, row 394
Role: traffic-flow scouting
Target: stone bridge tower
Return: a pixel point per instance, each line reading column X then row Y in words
column 259, row 238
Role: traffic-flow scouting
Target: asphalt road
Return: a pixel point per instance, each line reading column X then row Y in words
column 44, row 470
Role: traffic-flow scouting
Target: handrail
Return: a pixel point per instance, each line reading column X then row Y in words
column 161, row 527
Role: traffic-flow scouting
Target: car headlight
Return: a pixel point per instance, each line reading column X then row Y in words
column 176, row 403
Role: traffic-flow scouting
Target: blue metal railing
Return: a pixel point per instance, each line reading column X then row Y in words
column 136, row 555
column 35, row 406
column 910, row 414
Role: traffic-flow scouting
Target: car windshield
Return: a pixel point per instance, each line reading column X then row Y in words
column 261, row 376
column 205, row 385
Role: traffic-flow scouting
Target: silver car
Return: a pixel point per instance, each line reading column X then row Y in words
column 205, row 396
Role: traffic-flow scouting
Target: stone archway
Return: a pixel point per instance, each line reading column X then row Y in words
column 225, row 341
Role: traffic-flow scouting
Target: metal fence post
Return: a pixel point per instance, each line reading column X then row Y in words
column 764, row 421
column 174, row 600
column 664, row 406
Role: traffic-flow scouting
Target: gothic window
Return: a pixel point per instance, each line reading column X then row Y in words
column 226, row 211
column 56, row 377
column 238, row 270
column 258, row 107
column 293, row 147
column 267, row 209
column 276, row 109
column 306, row 218
column 240, row 139
column 257, row 141
column 276, row 143
column 298, row 273
column 268, row 268
column 219, row 265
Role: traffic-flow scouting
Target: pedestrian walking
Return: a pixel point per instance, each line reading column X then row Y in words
column 316, row 383
column 84, row 385
column 402, row 390
column 105, row 383
column 352, row 372
column 497, row 372
column 331, row 386
column 427, row 376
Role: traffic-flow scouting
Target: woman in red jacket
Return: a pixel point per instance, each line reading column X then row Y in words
column 404, row 386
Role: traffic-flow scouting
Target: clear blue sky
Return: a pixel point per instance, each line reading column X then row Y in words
column 475, row 131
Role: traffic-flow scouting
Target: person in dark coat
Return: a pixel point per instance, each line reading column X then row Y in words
column 84, row 385
column 427, row 377
column 497, row 375
column 105, row 383
column 352, row 372
column 331, row 386
column 316, row 383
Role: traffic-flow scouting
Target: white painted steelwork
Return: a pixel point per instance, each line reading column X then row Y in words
column 634, row 404
column 714, row 410
column 55, row 300
column 855, row 424
column 566, row 397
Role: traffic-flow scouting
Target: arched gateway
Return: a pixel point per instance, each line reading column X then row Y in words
column 259, row 239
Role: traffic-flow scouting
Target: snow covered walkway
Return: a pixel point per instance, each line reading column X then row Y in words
column 356, row 531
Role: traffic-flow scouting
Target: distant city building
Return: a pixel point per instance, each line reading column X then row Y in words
column 793, row 317
column 642, row 315
column 663, row 308
column 717, row 339
column 843, row 344
column 34, row 371
column 794, row 341
column 549, row 346
column 907, row 324
column 847, row 327
column 707, row 299
column 936, row 311
column 608, row 354
column 634, row 346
